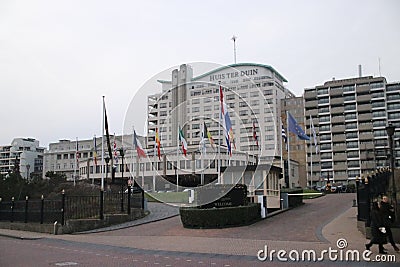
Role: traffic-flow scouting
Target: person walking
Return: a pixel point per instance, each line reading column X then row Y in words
column 377, row 229
column 388, row 219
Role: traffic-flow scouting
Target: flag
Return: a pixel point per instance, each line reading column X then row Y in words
column 158, row 144
column 182, row 140
column 255, row 133
column 115, row 151
column 203, row 138
column 138, row 146
column 284, row 134
column 108, row 137
column 94, row 151
column 208, row 134
column 314, row 136
column 295, row 128
column 226, row 123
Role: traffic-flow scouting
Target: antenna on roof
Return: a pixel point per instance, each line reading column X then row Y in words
column 234, row 47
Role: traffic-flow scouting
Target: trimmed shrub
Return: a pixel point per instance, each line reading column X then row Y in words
column 220, row 217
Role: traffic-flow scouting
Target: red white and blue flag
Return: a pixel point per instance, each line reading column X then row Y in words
column 138, row 146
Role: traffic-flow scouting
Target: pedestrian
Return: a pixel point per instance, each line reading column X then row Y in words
column 377, row 229
column 388, row 219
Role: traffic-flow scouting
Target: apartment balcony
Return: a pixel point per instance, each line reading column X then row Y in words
column 366, row 107
column 337, row 101
column 310, row 104
column 366, row 136
column 338, row 129
column 312, row 112
column 336, row 92
column 365, row 117
column 340, row 148
column 363, row 89
column 310, row 95
column 368, row 146
column 339, row 177
column 339, row 138
column 337, row 110
column 340, row 157
column 363, row 98
column 340, row 167
column 365, row 127
column 337, row 119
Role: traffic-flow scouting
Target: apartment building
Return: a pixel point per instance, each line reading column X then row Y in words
column 350, row 117
column 23, row 155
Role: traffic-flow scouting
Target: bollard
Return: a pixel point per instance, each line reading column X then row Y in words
column 55, row 228
column 354, row 203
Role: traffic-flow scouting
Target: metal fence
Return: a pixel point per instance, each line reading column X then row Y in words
column 70, row 207
column 368, row 189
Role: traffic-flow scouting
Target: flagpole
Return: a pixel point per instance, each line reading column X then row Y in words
column 203, row 135
column 154, row 169
column 311, row 165
column 282, row 165
column 177, row 160
column 76, row 159
column 288, row 142
column 102, row 150
column 219, row 138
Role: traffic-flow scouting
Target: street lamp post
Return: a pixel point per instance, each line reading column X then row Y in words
column 390, row 129
column 122, row 153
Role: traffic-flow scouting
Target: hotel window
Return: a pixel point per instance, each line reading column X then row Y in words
column 254, row 94
column 230, row 97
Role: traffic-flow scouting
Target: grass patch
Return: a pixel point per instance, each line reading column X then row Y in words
column 306, row 190
column 168, row 197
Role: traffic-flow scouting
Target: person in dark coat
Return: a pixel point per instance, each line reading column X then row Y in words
column 388, row 219
column 377, row 233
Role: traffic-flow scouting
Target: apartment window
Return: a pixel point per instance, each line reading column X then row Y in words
column 352, row 154
column 393, row 106
column 58, row 156
column 163, row 105
column 350, row 107
column 242, row 104
column 350, row 116
column 378, row 94
column 322, row 91
column 243, row 112
column 324, row 137
column 352, row 144
column 378, row 104
column 325, row 127
column 268, row 92
column 378, row 133
column 230, row 97
column 255, row 102
column 323, row 110
column 378, row 114
column 65, row 156
column 207, row 108
column 353, row 163
column 348, row 88
column 163, row 113
column 392, row 116
column 351, row 135
column 349, row 98
column 326, row 146
column 324, row 118
column 254, row 94
column 393, row 97
column 196, row 100
column 195, row 126
column 323, row 101
column 195, row 109
column 350, row 126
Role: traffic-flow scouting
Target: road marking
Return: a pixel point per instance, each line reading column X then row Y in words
column 67, row 263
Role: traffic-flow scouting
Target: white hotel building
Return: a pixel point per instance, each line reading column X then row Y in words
column 253, row 93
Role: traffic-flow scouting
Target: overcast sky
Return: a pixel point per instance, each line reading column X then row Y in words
column 57, row 58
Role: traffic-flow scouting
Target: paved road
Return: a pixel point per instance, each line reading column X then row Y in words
column 316, row 225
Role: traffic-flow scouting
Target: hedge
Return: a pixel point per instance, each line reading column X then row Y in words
column 220, row 217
